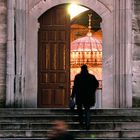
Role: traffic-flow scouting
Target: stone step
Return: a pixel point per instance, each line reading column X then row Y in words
column 72, row 125
column 35, row 123
column 68, row 118
column 76, row 133
column 60, row 111
column 76, row 138
column 107, row 133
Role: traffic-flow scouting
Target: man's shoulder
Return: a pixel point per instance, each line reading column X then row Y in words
column 91, row 75
column 77, row 75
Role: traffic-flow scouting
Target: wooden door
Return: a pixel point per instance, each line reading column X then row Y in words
column 53, row 58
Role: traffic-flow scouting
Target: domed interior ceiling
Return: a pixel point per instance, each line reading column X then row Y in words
column 79, row 30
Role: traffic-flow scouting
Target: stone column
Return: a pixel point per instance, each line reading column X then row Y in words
column 20, row 52
column 108, row 57
column 122, row 54
column 31, row 63
column 10, row 72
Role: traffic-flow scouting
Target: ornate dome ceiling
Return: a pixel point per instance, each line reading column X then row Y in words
column 86, row 44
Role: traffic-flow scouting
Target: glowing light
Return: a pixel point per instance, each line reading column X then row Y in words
column 75, row 10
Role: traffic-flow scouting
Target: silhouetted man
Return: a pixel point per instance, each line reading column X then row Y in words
column 85, row 85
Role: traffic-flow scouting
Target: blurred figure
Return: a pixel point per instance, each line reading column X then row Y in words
column 59, row 131
column 85, row 85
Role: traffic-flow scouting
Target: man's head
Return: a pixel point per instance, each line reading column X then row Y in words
column 84, row 68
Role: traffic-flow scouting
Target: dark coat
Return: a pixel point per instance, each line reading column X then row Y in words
column 84, row 88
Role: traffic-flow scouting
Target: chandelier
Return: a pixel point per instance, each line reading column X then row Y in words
column 86, row 50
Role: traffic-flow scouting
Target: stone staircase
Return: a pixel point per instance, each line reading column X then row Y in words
column 33, row 124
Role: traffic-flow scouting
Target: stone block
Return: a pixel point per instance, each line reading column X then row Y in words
column 136, row 2
column 137, row 38
column 136, row 77
column 2, row 19
column 136, row 51
column 3, row 1
column 136, row 66
column 2, row 36
column 2, row 95
column 3, row 7
column 135, row 86
column 137, row 8
column 2, row 72
column 136, row 25
column 136, row 101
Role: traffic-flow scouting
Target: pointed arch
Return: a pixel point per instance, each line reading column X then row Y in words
column 37, row 10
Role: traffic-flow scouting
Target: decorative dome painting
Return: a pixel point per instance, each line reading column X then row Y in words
column 86, row 50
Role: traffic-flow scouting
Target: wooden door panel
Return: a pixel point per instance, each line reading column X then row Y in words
column 53, row 98
column 50, row 56
column 53, row 58
column 59, row 94
column 51, row 77
column 46, row 98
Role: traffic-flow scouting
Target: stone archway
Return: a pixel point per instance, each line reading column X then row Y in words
column 117, row 88
column 40, row 8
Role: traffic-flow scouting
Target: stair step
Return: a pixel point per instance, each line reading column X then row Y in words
column 74, row 125
column 31, row 111
column 113, row 124
column 77, row 133
column 67, row 118
column 76, row 138
column 107, row 133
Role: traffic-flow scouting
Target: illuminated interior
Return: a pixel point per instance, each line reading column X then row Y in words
column 86, row 48
column 75, row 10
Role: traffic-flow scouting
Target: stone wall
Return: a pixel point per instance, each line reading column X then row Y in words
column 118, row 79
column 2, row 51
column 136, row 48
column 136, row 53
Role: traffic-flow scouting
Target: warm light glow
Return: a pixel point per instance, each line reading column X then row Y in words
column 75, row 10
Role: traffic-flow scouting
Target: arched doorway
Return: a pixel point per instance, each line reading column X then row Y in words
column 53, row 58
column 54, row 47
column 116, row 81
